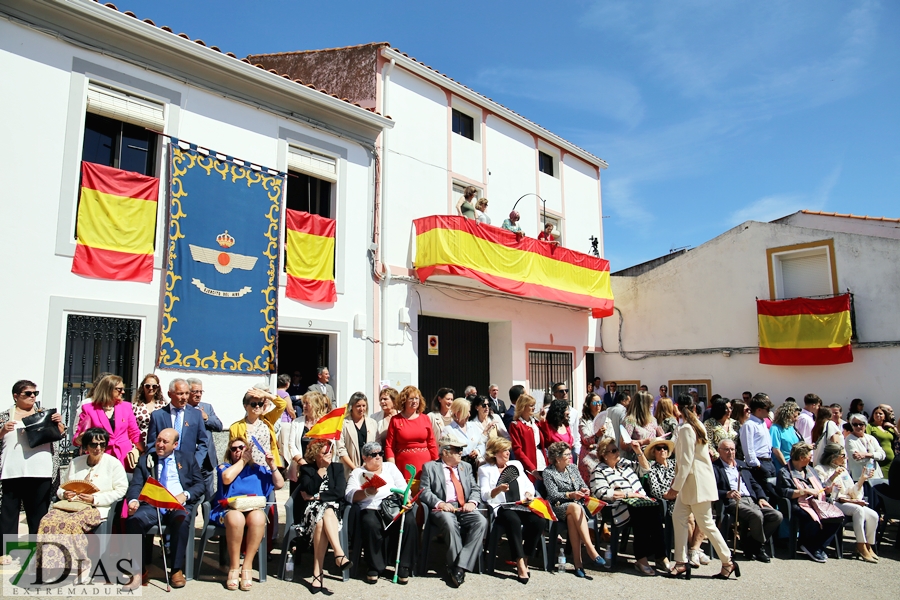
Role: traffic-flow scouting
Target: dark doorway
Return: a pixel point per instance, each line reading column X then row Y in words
column 589, row 366
column 303, row 353
column 463, row 357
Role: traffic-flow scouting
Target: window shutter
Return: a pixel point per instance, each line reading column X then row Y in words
column 118, row 105
column 805, row 276
column 312, row 163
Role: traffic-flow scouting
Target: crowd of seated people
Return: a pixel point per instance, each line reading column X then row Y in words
column 469, row 465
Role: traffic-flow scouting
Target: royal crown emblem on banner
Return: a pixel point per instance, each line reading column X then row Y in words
column 224, row 262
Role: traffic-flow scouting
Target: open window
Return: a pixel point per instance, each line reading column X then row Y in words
column 311, row 180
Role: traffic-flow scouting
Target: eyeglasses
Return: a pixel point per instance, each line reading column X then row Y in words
column 30, row 394
column 859, row 424
column 562, row 391
column 660, row 449
column 256, row 404
column 596, row 403
column 453, row 450
column 612, row 450
column 96, row 445
column 120, row 389
column 151, row 386
column 198, row 392
column 375, row 454
column 241, row 447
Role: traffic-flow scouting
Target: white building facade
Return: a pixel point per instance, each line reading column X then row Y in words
column 691, row 320
column 448, row 137
column 74, row 65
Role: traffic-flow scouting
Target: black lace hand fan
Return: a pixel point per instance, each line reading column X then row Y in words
column 508, row 475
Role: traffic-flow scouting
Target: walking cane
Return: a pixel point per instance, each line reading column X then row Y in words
column 163, row 544
column 412, row 474
column 736, row 511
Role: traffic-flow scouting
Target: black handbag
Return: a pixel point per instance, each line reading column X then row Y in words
column 40, row 430
column 390, row 508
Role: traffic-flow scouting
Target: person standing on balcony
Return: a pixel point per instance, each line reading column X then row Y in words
column 511, row 224
column 481, row 211
column 464, row 206
column 547, row 234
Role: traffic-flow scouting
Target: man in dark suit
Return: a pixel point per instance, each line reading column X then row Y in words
column 178, row 473
column 757, row 519
column 322, row 385
column 186, row 420
column 609, row 398
column 449, row 487
column 498, row 406
column 213, row 424
column 514, row 393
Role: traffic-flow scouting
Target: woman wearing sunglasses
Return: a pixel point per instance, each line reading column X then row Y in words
column 240, row 476
column 587, row 456
column 70, row 528
column 259, row 423
column 26, row 474
column 108, row 411
column 147, row 398
column 372, row 526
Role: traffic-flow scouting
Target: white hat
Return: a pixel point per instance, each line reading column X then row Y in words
column 451, row 439
column 692, row 390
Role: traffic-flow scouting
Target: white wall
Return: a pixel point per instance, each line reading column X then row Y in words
column 706, row 298
column 511, row 162
column 33, row 171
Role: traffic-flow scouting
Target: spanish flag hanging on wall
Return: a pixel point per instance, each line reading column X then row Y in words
column 116, row 224
column 805, row 331
column 310, row 257
column 448, row 245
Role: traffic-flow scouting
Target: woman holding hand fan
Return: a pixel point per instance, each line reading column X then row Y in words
column 368, row 485
column 504, row 481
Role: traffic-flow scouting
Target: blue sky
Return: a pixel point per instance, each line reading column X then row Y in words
column 709, row 112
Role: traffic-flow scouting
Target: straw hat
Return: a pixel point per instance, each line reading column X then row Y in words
column 648, row 450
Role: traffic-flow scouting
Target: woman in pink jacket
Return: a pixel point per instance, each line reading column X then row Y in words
column 109, row 412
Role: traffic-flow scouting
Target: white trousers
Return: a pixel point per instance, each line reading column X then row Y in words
column 865, row 521
column 702, row 512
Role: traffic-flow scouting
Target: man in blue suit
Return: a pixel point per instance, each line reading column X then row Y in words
column 212, row 424
column 178, row 473
column 186, row 420
column 737, row 487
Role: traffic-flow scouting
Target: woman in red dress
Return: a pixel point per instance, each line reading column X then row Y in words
column 410, row 437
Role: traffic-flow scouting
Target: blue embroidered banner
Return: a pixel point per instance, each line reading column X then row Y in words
column 219, row 311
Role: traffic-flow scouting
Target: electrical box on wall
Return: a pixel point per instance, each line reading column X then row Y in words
column 359, row 323
column 404, row 315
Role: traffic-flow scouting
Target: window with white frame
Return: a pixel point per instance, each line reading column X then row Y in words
column 805, row 270
column 556, row 220
column 546, row 164
column 459, row 189
column 311, row 181
column 463, row 124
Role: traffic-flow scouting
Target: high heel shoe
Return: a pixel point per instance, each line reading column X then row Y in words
column 231, row 583
column 343, row 566
column 727, row 570
column 317, row 589
column 246, row 582
column 681, row 569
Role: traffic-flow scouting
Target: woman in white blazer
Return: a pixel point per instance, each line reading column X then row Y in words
column 694, row 491
column 359, row 430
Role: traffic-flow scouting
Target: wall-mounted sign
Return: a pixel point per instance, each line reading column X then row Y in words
column 432, row 345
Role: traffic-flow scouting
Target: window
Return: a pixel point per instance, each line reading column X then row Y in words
column 545, row 163
column 116, row 131
column 557, row 224
column 460, row 188
column 463, row 124
column 311, row 177
column 681, row 386
column 803, row 270
column 547, row 368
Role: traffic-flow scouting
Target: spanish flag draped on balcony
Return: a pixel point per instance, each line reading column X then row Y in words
column 310, row 257
column 448, row 245
column 805, row 331
column 116, row 224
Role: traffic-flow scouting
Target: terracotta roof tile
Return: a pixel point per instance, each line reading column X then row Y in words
column 231, row 54
column 849, row 216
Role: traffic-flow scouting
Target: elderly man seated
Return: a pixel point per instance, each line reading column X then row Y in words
column 450, row 490
column 756, row 517
column 178, row 472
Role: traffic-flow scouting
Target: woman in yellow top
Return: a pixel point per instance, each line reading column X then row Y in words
column 694, row 490
column 260, row 425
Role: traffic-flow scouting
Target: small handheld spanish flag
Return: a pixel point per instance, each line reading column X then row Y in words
column 594, row 505
column 542, row 508
column 157, row 496
column 330, row 426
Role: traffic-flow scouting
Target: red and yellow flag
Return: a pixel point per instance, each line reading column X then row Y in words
column 157, row 496
column 447, row 245
column 805, row 331
column 116, row 224
column 330, row 426
column 594, row 505
column 310, row 257
column 542, row 508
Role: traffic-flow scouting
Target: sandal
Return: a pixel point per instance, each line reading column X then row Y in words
column 246, row 582
column 727, row 570
column 315, row 589
column 343, row 566
column 231, row 583
column 681, row 570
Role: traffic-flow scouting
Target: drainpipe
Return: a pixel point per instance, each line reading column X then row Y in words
column 386, row 277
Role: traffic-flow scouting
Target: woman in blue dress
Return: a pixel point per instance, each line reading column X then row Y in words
column 240, row 476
